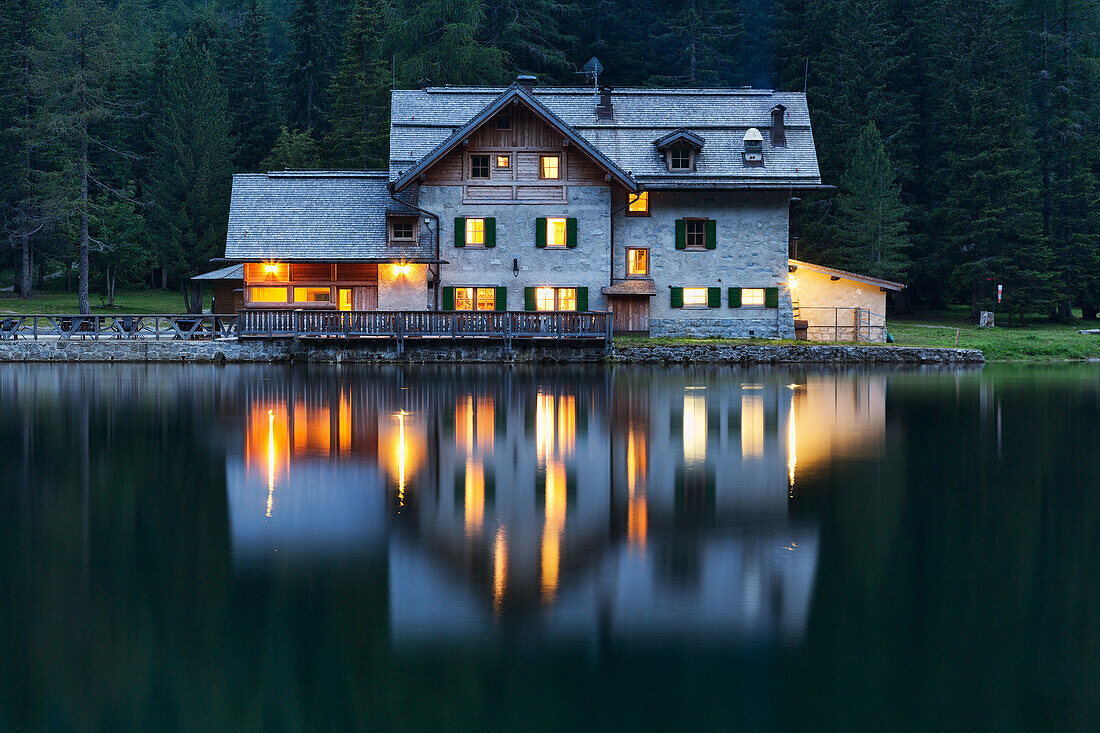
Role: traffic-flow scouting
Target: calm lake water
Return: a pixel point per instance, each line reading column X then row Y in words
column 329, row 548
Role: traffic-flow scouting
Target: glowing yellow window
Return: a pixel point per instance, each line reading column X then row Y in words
column 503, row 161
column 695, row 297
column 486, row 299
column 637, row 261
column 752, row 296
column 550, row 166
column 312, row 295
column 555, row 232
column 464, row 299
column 639, row 203
column 475, row 232
column 567, row 299
column 267, row 295
column 544, row 299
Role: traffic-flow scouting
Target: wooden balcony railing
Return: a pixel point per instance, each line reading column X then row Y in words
column 401, row 325
column 99, row 328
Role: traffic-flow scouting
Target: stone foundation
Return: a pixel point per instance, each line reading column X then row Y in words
column 768, row 325
column 309, row 350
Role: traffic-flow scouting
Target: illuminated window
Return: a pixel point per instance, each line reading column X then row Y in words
column 402, row 230
column 555, row 233
column 479, row 166
column 637, row 261
column 312, row 295
column 550, row 166
column 695, row 297
column 639, row 203
column 475, row 232
column 696, row 233
column 503, row 161
column 567, row 299
column 267, row 295
column 504, row 122
column 752, row 296
column 679, row 159
column 486, row 299
column 545, row 299
column 464, row 299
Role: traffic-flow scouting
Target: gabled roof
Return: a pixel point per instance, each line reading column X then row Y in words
column 423, row 119
column 845, row 275
column 315, row 216
column 519, row 94
column 680, row 136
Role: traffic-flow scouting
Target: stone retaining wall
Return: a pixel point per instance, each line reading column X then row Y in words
column 290, row 350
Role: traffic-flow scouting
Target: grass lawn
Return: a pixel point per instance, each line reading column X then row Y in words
column 1039, row 341
column 136, row 301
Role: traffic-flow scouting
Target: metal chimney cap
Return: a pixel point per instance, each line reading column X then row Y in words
column 527, row 80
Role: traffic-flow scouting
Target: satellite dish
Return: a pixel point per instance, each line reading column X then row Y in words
column 593, row 68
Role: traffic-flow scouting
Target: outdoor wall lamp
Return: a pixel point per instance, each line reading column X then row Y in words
column 515, row 267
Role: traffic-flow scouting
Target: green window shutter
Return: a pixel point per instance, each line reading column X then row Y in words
column 529, row 299
column 540, row 231
column 714, row 297
column 460, row 231
column 712, row 234
column 501, row 299
column 490, row 232
column 582, row 299
column 570, row 232
column 771, row 297
column 448, row 299
column 681, row 234
column 677, row 298
column 735, row 297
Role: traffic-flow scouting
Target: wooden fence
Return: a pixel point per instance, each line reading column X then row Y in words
column 100, row 328
column 402, row 325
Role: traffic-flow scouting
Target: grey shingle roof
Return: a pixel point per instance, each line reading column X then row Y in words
column 233, row 272
column 421, row 119
column 315, row 216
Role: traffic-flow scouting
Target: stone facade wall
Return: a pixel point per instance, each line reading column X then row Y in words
column 320, row 350
column 751, row 252
column 586, row 265
column 402, row 287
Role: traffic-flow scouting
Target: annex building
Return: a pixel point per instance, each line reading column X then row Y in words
column 668, row 207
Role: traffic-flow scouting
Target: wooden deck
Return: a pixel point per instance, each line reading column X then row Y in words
column 402, row 325
column 154, row 327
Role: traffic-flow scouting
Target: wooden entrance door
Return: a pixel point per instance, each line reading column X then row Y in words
column 631, row 314
column 364, row 298
column 343, row 299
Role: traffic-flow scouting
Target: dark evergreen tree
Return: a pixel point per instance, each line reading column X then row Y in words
column 703, row 38
column 248, row 79
column 535, row 35
column 191, row 169
column 293, row 151
column 305, row 70
column 359, row 98
column 871, row 224
column 441, row 40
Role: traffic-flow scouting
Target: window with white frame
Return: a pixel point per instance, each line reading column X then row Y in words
column 475, row 232
column 695, row 297
column 556, row 233
column 752, row 296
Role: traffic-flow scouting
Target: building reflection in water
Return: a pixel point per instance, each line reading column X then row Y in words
column 641, row 506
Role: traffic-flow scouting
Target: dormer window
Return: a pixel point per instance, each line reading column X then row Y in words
column 754, row 148
column 402, row 230
column 679, row 159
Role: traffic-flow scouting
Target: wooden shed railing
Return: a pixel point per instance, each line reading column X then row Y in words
column 154, row 327
column 401, row 325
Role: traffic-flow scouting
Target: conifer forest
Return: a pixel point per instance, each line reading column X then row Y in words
column 963, row 136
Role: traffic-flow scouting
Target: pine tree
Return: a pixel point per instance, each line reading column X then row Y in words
column 358, row 115
column 533, row 34
column 703, row 38
column 190, row 173
column 248, row 79
column 293, row 151
column 77, row 75
column 125, row 252
column 441, row 40
column 305, row 69
column 870, row 217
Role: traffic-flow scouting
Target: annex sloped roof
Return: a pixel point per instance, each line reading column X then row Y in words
column 513, row 93
column 423, row 119
column 846, row 275
column 308, row 216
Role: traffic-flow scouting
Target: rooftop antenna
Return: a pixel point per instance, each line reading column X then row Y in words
column 592, row 70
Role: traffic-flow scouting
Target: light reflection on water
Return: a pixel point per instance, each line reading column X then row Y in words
column 276, row 548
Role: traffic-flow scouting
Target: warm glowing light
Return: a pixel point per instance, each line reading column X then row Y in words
column 344, row 424
column 636, row 469
column 402, row 269
column 312, row 429
column 500, row 570
column 792, row 452
column 555, row 503
column 270, row 462
column 271, row 268
column 544, row 425
column 474, row 496
column 402, row 458
column 791, row 280
column 695, row 429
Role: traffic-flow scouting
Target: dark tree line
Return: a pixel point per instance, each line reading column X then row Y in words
column 962, row 136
